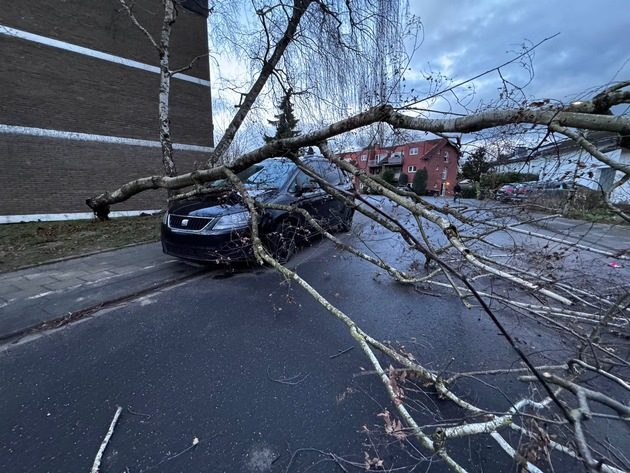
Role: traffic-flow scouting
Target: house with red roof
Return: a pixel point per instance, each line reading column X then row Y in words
column 439, row 157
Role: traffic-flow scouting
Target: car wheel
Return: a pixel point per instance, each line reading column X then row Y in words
column 282, row 242
column 346, row 220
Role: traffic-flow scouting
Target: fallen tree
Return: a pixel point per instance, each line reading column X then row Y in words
column 457, row 245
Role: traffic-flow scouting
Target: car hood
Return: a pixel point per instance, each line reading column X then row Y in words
column 215, row 205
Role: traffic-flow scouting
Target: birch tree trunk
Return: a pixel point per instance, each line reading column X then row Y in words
column 170, row 15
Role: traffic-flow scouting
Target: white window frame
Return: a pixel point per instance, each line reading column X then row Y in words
column 413, row 151
column 364, row 157
column 447, row 157
column 444, row 174
column 411, row 169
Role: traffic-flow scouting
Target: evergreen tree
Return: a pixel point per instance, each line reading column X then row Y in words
column 419, row 184
column 476, row 165
column 388, row 176
column 285, row 123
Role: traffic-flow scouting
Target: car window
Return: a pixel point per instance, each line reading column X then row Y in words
column 325, row 169
column 302, row 180
column 328, row 171
column 268, row 174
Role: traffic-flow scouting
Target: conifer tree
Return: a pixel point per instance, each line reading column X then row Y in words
column 285, row 122
column 419, row 183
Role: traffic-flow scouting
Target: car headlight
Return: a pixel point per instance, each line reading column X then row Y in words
column 165, row 218
column 232, row 221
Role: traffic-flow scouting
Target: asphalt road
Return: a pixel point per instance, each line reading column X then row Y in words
column 246, row 363
column 201, row 360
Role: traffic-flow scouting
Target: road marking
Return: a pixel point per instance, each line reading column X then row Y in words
column 43, row 294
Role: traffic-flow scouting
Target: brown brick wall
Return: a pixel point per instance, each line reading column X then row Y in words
column 46, row 87
column 56, row 176
column 103, row 25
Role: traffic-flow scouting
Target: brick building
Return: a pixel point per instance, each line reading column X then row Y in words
column 79, row 93
column 439, row 157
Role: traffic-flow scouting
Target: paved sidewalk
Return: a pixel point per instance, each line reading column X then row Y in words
column 601, row 236
column 32, row 297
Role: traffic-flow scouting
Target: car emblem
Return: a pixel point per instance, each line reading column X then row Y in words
column 185, row 222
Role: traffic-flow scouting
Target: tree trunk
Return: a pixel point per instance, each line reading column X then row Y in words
column 170, row 15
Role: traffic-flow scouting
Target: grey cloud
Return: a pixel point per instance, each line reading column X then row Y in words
column 592, row 46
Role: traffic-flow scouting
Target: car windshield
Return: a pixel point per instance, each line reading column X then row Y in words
column 269, row 174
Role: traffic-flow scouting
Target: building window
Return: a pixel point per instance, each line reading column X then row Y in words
column 364, row 157
column 413, row 151
column 411, row 169
column 447, row 157
column 444, row 173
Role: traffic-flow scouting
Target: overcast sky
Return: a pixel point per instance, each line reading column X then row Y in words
column 465, row 37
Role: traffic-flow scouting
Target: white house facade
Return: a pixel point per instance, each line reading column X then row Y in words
column 566, row 161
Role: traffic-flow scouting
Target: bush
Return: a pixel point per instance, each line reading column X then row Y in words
column 469, row 193
column 494, row 180
column 388, row 176
column 403, row 180
column 583, row 200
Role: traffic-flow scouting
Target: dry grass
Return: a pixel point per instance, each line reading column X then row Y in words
column 26, row 244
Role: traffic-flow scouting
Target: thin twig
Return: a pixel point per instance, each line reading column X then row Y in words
column 290, row 381
column 341, row 352
column 195, row 442
column 148, row 416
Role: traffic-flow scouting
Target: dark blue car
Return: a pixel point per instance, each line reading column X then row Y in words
column 216, row 227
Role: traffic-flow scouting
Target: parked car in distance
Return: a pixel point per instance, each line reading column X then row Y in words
column 525, row 190
column 404, row 187
column 505, row 192
column 216, row 226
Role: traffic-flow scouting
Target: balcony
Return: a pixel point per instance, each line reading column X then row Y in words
column 394, row 160
column 385, row 160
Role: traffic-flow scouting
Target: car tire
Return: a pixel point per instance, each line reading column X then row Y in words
column 282, row 241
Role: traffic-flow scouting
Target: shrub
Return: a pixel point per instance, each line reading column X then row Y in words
column 583, row 200
column 388, row 176
column 469, row 193
column 403, row 180
column 494, row 180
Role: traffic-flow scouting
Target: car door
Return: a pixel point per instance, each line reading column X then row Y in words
column 331, row 210
column 310, row 196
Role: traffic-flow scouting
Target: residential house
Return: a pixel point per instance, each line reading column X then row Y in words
column 567, row 161
column 439, row 157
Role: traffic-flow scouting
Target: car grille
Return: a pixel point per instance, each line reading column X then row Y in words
column 224, row 254
column 188, row 251
column 192, row 224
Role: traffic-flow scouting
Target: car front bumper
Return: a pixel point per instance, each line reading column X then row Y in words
column 216, row 248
